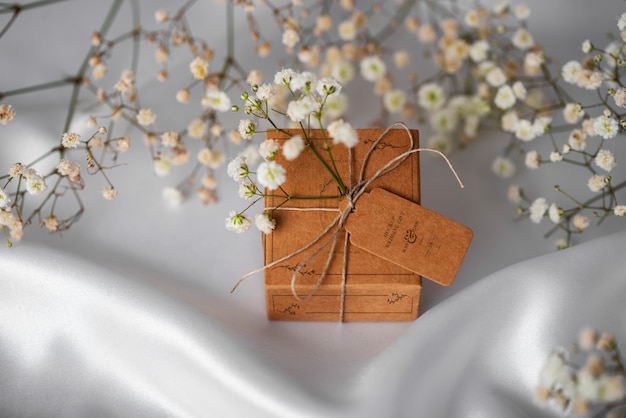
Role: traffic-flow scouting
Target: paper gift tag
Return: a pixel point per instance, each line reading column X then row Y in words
column 408, row 235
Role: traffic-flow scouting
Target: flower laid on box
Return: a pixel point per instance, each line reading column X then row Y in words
column 322, row 177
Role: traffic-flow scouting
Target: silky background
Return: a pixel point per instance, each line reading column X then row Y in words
column 129, row 313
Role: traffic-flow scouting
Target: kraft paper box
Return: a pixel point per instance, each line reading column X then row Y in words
column 375, row 290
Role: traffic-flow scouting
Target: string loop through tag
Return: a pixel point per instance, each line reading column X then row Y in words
column 336, row 226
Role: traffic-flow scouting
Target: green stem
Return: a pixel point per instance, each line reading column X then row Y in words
column 39, row 87
column 305, row 197
column 13, row 7
column 391, row 27
column 106, row 25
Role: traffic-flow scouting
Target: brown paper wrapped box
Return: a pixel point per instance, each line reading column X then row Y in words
column 376, row 290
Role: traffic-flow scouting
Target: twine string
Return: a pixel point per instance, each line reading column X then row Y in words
column 354, row 193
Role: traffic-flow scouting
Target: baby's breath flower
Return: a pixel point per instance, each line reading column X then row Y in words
column 589, row 80
column 505, row 97
column 298, row 110
column 342, row 132
column 605, row 126
column 606, row 342
column 271, row 175
column 328, row 86
column 342, row 70
column 586, row 46
column 173, row 195
column 444, row 120
column 573, row 112
column 525, row 131
column 576, row 140
column 70, row 140
column 495, row 77
column 199, row 68
column 522, row 39
column 251, row 152
column 440, row 143
column 7, row 113
column 293, row 147
column 162, row 165
column 264, row 222
column 123, row 143
column 394, row 100
column 509, row 121
column 209, row 181
column 268, row 149
column 580, row 222
column 145, row 117
column 183, row 96
column 519, row 90
column 290, row 38
column 556, row 156
column 265, row 91
column 514, row 194
column 35, row 184
column 619, row 210
column 4, row 199
column 347, row 30
column 211, row 157
column 335, row 106
column 553, row 370
column 51, row 223
column 237, row 222
column 426, row 33
column 217, row 100
column 247, row 128
column 596, row 183
column 431, row 96
column 373, row 68
column 621, row 22
column 247, row 190
column 478, row 50
column 16, row 170
column 532, row 160
column 503, row 167
column 605, row 159
column 620, row 97
column 401, row 59
column 538, row 209
column 237, row 169
column 284, row 76
column 522, row 11
column 109, row 193
column 554, row 213
column 98, row 71
column 169, row 139
column 571, row 72
column 197, row 129
column 161, row 15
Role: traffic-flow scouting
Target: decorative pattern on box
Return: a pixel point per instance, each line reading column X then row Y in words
column 376, row 289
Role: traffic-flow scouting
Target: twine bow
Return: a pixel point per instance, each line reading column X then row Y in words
column 353, row 195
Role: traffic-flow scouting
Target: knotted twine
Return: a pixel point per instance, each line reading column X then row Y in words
column 353, row 195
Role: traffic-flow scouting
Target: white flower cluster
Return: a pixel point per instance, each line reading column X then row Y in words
column 598, row 381
column 313, row 104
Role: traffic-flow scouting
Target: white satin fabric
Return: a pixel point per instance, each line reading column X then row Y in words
column 129, row 314
column 78, row 339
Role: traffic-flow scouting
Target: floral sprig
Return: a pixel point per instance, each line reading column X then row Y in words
column 23, row 181
column 587, row 379
column 489, row 72
column 306, row 110
column 118, row 104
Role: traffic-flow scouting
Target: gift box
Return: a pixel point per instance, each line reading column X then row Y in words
column 374, row 289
